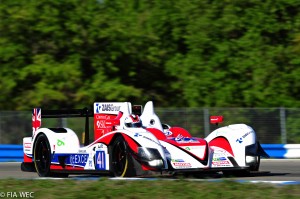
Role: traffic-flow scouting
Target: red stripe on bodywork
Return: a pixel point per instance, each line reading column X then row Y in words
column 27, row 159
column 179, row 131
column 222, row 143
column 131, row 143
column 59, row 167
column 106, row 139
column 157, row 133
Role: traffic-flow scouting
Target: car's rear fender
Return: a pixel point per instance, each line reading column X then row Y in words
column 61, row 140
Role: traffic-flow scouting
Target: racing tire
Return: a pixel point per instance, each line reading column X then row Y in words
column 42, row 156
column 122, row 161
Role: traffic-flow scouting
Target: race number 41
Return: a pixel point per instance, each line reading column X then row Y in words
column 100, row 160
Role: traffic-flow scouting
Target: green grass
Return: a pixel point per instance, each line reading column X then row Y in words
column 164, row 189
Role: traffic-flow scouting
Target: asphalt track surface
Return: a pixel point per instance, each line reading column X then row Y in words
column 281, row 171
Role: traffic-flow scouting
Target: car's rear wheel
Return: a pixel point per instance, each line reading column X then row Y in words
column 122, row 162
column 42, row 156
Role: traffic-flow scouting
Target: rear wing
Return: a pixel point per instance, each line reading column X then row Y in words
column 106, row 116
column 38, row 114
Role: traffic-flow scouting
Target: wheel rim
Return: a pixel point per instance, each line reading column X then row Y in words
column 42, row 157
column 120, row 159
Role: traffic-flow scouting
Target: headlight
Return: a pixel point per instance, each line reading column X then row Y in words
column 156, row 163
column 251, row 159
column 148, row 153
column 150, row 156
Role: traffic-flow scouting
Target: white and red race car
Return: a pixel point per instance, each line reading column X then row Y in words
column 139, row 147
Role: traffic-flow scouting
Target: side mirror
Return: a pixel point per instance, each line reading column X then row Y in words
column 216, row 119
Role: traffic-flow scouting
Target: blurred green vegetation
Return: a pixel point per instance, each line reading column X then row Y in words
column 104, row 188
column 196, row 53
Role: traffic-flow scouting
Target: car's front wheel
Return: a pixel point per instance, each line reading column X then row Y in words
column 122, row 162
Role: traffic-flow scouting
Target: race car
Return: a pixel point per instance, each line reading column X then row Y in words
column 130, row 141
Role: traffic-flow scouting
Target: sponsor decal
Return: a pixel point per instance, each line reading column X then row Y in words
column 110, row 107
column 219, row 159
column 27, row 145
column 221, row 163
column 248, row 133
column 100, row 117
column 220, row 152
column 181, row 139
column 78, row 159
column 100, row 124
column 60, row 143
column 182, row 164
column 98, row 108
column 177, row 160
column 168, row 133
column 240, row 140
column 137, row 135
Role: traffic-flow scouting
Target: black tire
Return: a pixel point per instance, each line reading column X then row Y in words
column 122, row 161
column 42, row 156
